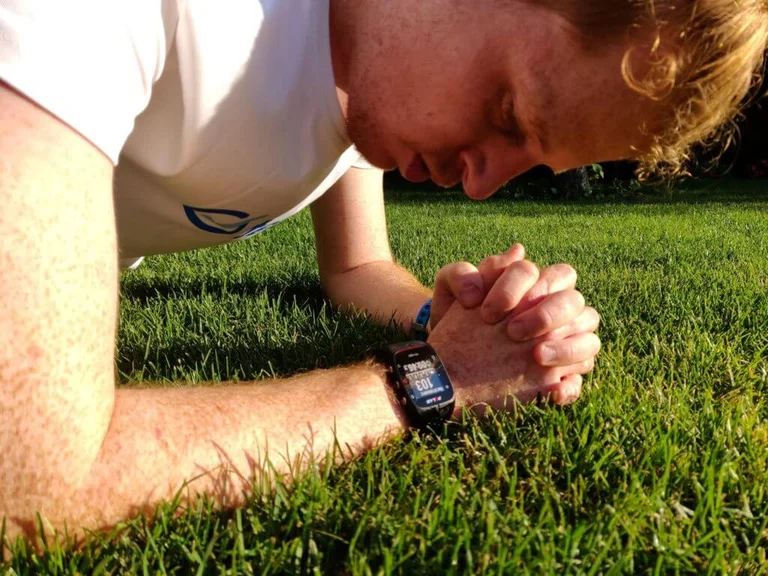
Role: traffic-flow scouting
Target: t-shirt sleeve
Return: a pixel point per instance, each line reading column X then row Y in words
column 91, row 63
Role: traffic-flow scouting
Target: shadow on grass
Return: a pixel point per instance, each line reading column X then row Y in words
column 143, row 288
column 296, row 330
column 250, row 358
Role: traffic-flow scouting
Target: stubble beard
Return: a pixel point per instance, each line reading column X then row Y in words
column 363, row 129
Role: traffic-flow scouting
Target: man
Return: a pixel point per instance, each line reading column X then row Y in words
column 227, row 117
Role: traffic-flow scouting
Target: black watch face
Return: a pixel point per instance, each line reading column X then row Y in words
column 424, row 377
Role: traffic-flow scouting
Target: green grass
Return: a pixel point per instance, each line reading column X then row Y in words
column 661, row 467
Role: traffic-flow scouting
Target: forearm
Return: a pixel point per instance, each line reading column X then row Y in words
column 383, row 289
column 219, row 440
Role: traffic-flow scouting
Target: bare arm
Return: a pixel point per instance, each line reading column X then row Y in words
column 85, row 455
column 75, row 449
column 356, row 265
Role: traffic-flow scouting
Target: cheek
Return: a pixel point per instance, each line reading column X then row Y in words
column 572, row 141
column 366, row 134
column 419, row 109
column 444, row 118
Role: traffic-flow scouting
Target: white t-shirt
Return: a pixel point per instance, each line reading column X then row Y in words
column 221, row 115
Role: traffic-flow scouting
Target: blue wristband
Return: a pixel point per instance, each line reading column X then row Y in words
column 423, row 316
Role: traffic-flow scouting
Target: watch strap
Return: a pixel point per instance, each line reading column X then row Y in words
column 420, row 326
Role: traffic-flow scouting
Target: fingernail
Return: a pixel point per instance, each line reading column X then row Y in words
column 548, row 354
column 573, row 393
column 568, row 395
column 471, row 295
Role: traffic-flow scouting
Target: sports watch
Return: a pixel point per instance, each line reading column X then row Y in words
column 420, row 382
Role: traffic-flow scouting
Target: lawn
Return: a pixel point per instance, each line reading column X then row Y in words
column 661, row 467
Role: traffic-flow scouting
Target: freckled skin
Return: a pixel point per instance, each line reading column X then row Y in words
column 70, row 282
column 431, row 83
column 74, row 449
column 86, row 456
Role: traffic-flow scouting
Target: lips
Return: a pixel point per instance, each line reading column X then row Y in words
column 417, row 170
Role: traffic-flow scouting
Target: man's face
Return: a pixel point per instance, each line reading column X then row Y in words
column 480, row 91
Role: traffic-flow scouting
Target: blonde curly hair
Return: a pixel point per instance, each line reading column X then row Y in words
column 703, row 59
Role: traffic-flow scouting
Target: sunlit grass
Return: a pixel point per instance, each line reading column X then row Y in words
column 662, row 466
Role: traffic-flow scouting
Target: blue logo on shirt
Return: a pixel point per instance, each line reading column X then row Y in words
column 229, row 222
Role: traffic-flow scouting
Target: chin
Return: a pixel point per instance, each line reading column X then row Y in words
column 377, row 158
column 367, row 140
column 385, row 166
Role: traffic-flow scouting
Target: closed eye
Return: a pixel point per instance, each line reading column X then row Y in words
column 510, row 126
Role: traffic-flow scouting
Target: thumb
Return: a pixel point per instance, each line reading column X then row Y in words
column 459, row 281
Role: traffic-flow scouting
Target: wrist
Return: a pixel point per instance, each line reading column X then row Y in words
column 386, row 396
column 419, row 381
column 455, row 368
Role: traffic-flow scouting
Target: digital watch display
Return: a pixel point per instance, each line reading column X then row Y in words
column 421, row 382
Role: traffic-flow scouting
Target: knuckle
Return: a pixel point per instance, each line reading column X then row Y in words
column 574, row 299
column 527, row 267
column 545, row 317
column 568, row 271
column 562, row 271
column 490, row 263
column 588, row 320
column 584, row 347
column 459, row 267
column 443, row 272
column 448, row 267
column 455, row 270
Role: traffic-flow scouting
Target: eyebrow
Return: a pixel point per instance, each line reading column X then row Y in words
column 515, row 131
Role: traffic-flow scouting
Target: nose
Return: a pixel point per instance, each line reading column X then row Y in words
column 485, row 171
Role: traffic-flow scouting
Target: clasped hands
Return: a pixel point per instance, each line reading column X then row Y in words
column 507, row 331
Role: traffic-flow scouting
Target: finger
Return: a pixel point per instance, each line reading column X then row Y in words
column 555, row 278
column 568, row 390
column 552, row 312
column 493, row 267
column 572, row 350
column 587, row 321
column 457, row 281
column 581, row 368
column 509, row 289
